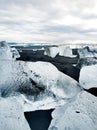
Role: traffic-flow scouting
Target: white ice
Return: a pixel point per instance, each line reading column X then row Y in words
column 61, row 50
column 15, row 53
column 86, row 52
column 47, row 75
column 29, row 86
column 80, row 114
column 39, row 81
column 5, row 51
column 12, row 115
column 88, row 76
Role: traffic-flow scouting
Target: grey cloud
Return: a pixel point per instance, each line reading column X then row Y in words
column 67, row 29
column 83, row 15
column 14, row 17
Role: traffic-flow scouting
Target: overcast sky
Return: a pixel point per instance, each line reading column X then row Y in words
column 52, row 21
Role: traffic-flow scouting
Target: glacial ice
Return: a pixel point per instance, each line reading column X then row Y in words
column 87, row 52
column 93, row 48
column 88, row 61
column 80, row 114
column 48, row 76
column 30, row 86
column 41, row 88
column 12, row 115
column 38, row 81
column 61, row 50
column 88, row 76
column 5, row 51
column 15, row 53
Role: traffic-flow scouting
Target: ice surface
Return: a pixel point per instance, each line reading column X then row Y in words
column 5, row 51
column 93, row 48
column 88, row 61
column 81, row 114
column 30, row 86
column 87, row 52
column 15, row 53
column 61, row 50
column 51, row 87
column 48, row 76
column 37, row 81
column 88, row 76
column 12, row 115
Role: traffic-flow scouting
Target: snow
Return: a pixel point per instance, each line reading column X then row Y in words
column 80, row 114
column 61, row 50
column 88, row 76
column 12, row 115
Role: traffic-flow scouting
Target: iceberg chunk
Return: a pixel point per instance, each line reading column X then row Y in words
column 80, row 114
column 47, row 75
column 12, row 115
column 15, row 53
column 86, row 52
column 88, row 76
column 5, row 51
column 61, row 50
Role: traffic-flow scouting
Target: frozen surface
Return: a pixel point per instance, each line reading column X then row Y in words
column 5, row 51
column 81, row 114
column 88, row 76
column 61, row 50
column 93, row 48
column 15, row 53
column 87, row 62
column 11, row 115
column 55, row 87
column 29, row 86
column 36, row 81
column 87, row 52
column 48, row 76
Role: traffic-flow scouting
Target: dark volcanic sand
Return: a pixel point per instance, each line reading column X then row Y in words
column 39, row 120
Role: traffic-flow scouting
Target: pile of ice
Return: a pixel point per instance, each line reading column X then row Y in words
column 30, row 86
column 34, row 77
column 80, row 114
column 87, row 52
column 36, row 80
column 61, row 50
